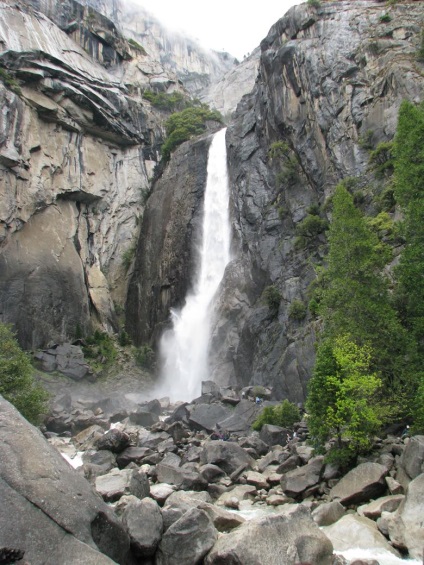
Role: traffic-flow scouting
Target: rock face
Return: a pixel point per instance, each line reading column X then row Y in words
column 63, row 515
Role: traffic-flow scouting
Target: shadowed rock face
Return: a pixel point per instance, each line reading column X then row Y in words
column 63, row 515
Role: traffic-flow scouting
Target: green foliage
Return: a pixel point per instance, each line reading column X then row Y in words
column 124, row 339
column 278, row 150
column 9, row 81
column 355, row 300
column 284, row 414
column 17, row 383
column 272, row 297
column 100, row 350
column 259, row 390
column 181, row 126
column 145, row 356
column 136, row 45
column 171, row 102
column 341, row 398
column 366, row 141
column 309, row 229
column 313, row 307
column 297, row 310
column 382, row 224
column 128, row 256
column 385, row 18
column 381, row 159
column 288, row 165
column 418, row 409
column 420, row 52
column 314, row 3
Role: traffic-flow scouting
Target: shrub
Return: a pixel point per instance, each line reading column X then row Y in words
column 284, row 414
column 171, row 102
column 145, row 356
column 124, row 338
column 136, row 45
column 297, row 310
column 100, row 350
column 181, row 126
column 381, row 159
column 385, row 18
column 366, row 141
column 17, row 383
column 314, row 3
column 272, row 297
column 128, row 256
column 9, row 81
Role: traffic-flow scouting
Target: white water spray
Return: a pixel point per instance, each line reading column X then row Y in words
column 184, row 348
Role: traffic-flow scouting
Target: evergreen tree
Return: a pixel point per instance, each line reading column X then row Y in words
column 356, row 301
column 17, row 384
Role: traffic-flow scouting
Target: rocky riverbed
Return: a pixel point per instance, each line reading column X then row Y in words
column 153, row 487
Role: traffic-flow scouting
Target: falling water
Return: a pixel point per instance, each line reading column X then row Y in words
column 184, row 348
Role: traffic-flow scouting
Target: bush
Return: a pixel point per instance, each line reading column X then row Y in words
column 381, row 159
column 124, row 338
column 136, row 45
column 100, row 350
column 297, row 310
column 171, row 102
column 181, row 126
column 17, row 383
column 272, row 297
column 284, row 415
column 145, row 356
column 128, row 256
column 314, row 3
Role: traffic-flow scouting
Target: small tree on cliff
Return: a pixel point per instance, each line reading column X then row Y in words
column 17, row 384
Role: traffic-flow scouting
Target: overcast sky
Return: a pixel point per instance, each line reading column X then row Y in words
column 230, row 25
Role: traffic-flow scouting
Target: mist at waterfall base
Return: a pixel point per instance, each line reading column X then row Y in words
column 183, row 349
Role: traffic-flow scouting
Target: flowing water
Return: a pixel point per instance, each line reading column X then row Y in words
column 184, row 348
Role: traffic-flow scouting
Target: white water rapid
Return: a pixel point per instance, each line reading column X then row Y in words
column 184, row 348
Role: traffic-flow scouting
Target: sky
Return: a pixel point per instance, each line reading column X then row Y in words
column 224, row 25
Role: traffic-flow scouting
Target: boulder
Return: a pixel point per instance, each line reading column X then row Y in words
column 255, row 442
column 139, row 484
column 161, row 491
column 143, row 416
column 187, row 540
column 143, row 520
column 274, row 435
column 279, row 539
column 239, row 492
column 241, row 418
column 229, row 456
column 66, row 359
column 114, row 484
column 413, row 457
column 362, row 483
column 223, row 520
column 356, row 531
column 256, row 479
column 96, row 463
column 132, row 455
column 374, row 509
column 206, row 416
column 327, row 514
column 113, row 440
column 393, row 486
column 296, row 482
column 406, row 529
column 46, row 506
column 211, row 473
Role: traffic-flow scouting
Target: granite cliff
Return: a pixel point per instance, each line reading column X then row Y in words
column 329, row 79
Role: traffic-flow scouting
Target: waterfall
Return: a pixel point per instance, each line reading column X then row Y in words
column 184, row 348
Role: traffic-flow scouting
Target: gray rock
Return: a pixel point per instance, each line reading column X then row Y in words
column 67, row 359
column 206, row 416
column 296, row 482
column 211, row 473
column 406, row 528
column 413, row 456
column 114, row 484
column 274, row 435
column 161, row 491
column 227, row 455
column 281, row 539
column 113, row 440
column 356, row 531
column 143, row 416
column 132, row 455
column 394, row 486
column 374, row 509
column 327, row 514
column 188, row 540
column 139, row 484
column 47, row 507
column 143, row 520
column 362, row 483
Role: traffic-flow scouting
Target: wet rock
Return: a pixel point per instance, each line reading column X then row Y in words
column 113, row 440
column 356, row 531
column 362, row 483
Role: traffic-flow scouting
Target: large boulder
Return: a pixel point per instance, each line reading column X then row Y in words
column 356, row 531
column 143, row 519
column 187, row 540
column 229, row 456
column 406, row 529
column 274, row 435
column 206, row 416
column 279, row 539
column 362, row 483
column 412, row 459
column 47, row 508
column 326, row 514
column 295, row 483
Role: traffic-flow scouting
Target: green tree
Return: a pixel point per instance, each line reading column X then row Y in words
column 17, row 383
column 341, row 399
column 355, row 300
column 409, row 193
column 284, row 414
